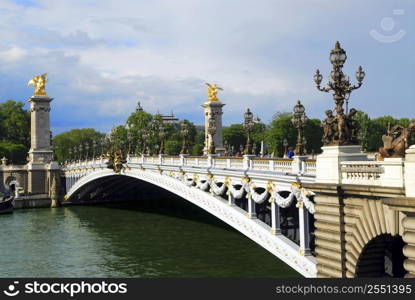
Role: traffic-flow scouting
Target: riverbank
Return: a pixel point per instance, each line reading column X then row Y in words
column 32, row 201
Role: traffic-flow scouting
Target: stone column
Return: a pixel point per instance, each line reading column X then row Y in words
column 40, row 134
column 304, row 227
column 231, row 199
column 214, row 110
column 275, row 218
column 251, row 207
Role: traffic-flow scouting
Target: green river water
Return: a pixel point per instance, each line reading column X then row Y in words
column 122, row 240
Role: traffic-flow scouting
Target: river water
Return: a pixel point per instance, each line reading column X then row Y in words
column 123, row 240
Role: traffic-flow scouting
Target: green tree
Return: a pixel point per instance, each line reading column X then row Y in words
column 14, row 123
column 199, row 144
column 281, row 128
column 172, row 147
column 139, row 123
column 234, row 135
column 65, row 142
column 313, row 132
column 15, row 153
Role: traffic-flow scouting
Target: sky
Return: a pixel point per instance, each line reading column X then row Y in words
column 103, row 56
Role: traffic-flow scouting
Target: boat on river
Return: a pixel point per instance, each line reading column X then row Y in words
column 6, row 203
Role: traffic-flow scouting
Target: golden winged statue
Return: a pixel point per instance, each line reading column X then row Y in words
column 39, row 82
column 212, row 92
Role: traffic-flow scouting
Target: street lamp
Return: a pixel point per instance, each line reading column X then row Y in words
column 86, row 150
column 129, row 138
column 102, row 146
column 94, row 146
column 299, row 121
column 70, row 155
column 74, row 151
column 339, row 84
column 80, row 152
column 285, row 144
column 211, row 131
column 162, row 136
column 305, row 144
column 145, row 136
column 184, row 132
column 248, row 126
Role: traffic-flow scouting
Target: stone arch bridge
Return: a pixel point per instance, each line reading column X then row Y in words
column 363, row 225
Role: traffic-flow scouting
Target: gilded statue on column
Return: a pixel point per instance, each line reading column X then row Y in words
column 39, row 82
column 212, row 92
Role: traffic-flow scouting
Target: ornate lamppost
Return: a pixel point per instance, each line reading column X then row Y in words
column 80, row 151
column 102, row 146
column 184, row 132
column 162, row 136
column 94, row 147
column 338, row 130
column 145, row 136
column 74, row 151
column 248, row 126
column 70, row 155
column 299, row 121
column 129, row 138
column 285, row 144
column 211, row 131
column 86, row 150
column 305, row 144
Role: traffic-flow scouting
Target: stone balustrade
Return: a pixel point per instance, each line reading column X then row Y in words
column 287, row 166
column 388, row 173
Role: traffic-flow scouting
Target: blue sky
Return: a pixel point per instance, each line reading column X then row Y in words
column 102, row 56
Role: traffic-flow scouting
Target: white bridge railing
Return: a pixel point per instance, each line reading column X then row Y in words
column 271, row 183
column 299, row 165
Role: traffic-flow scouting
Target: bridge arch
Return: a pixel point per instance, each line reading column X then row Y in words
column 382, row 257
column 373, row 237
column 279, row 245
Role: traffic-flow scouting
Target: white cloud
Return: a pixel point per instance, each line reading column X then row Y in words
column 103, row 56
column 12, row 54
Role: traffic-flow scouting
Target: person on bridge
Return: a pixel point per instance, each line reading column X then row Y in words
column 290, row 153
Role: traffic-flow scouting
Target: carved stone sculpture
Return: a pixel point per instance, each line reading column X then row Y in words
column 341, row 129
column 395, row 141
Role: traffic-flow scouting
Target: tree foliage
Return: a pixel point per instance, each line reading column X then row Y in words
column 66, row 142
column 14, row 131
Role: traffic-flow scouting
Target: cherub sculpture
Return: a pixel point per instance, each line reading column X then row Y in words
column 213, row 92
column 329, row 127
column 39, row 82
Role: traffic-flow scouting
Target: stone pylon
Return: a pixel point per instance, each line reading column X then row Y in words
column 214, row 110
column 40, row 153
column 40, row 134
